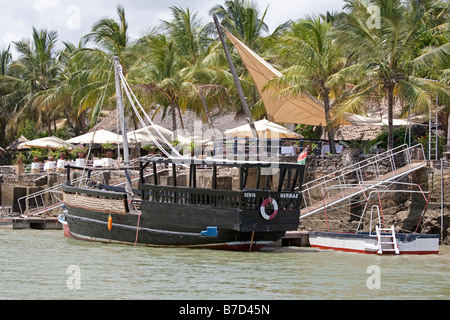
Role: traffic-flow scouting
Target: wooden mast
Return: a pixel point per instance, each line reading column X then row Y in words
column 119, row 99
column 236, row 80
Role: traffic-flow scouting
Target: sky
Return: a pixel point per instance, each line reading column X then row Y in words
column 73, row 19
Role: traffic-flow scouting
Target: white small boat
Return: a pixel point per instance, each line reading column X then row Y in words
column 385, row 241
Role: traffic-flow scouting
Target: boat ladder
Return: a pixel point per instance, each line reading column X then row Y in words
column 387, row 242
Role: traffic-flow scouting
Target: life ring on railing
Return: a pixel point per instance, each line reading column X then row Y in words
column 275, row 209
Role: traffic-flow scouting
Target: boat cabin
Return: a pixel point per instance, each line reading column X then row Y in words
column 220, row 182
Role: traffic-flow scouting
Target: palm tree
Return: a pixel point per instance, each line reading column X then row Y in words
column 202, row 70
column 111, row 35
column 243, row 19
column 386, row 56
column 36, row 70
column 158, row 71
column 113, row 40
column 178, row 67
column 315, row 60
column 92, row 81
column 189, row 34
column 5, row 60
column 209, row 83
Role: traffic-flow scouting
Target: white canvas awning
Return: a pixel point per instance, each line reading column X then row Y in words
column 359, row 120
column 97, row 137
column 142, row 138
column 300, row 109
column 265, row 129
column 52, row 143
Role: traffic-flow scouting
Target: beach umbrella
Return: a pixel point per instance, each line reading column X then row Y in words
column 52, row 143
column 265, row 129
column 97, row 137
column 142, row 137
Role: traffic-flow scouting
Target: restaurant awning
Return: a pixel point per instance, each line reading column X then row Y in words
column 52, row 143
column 142, row 138
column 265, row 129
column 97, row 137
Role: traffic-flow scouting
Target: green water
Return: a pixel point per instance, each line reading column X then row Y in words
column 40, row 265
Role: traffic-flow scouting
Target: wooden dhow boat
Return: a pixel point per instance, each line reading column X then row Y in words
column 182, row 212
column 188, row 216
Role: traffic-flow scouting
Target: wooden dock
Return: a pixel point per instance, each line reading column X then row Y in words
column 31, row 223
column 296, row 239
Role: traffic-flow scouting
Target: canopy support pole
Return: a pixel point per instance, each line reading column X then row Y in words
column 236, row 80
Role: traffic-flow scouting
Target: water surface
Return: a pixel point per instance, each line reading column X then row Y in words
column 38, row 265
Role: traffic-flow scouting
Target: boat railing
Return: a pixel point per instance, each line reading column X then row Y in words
column 346, row 183
column 44, row 201
column 47, row 200
column 245, row 200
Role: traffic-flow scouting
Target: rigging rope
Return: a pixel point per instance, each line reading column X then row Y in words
column 98, row 119
column 132, row 98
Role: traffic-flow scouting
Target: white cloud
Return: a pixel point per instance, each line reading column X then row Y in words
column 45, row 4
column 19, row 16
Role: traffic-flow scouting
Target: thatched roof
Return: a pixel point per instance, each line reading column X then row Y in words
column 15, row 144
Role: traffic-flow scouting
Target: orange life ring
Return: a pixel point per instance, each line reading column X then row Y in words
column 263, row 209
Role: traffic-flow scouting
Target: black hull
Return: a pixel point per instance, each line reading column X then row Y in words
column 187, row 216
column 93, row 226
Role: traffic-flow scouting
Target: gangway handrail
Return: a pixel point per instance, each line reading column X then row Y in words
column 346, row 189
column 384, row 155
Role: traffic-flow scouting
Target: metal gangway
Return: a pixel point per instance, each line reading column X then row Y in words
column 379, row 171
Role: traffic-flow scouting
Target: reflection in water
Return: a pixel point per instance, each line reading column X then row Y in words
column 36, row 265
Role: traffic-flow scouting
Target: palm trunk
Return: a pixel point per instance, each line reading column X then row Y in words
column 173, row 109
column 82, row 121
column 179, row 114
column 49, row 126
column 390, row 144
column 330, row 130
column 448, row 132
column 205, row 108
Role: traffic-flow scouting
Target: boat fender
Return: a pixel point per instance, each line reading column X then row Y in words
column 275, row 209
column 110, row 223
column 210, row 232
